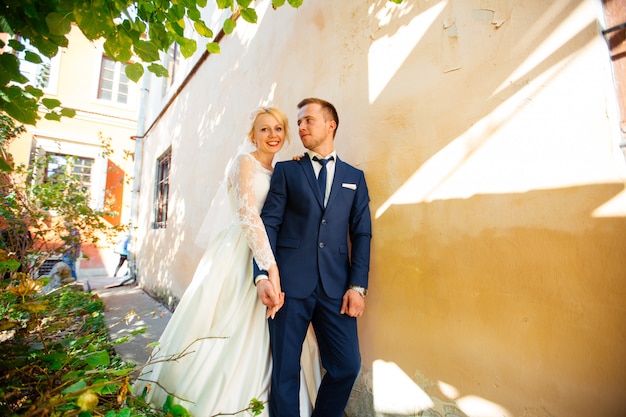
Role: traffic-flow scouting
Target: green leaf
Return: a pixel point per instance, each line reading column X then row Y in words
column 59, row 24
column 55, row 361
column 98, row 358
column 16, row 45
column 194, row 14
column 134, row 71
column 158, row 70
column 51, row 115
column 147, row 51
column 50, row 103
column 5, row 167
column 229, row 26
column 94, row 18
column 178, row 410
column 176, row 28
column 224, row 4
column 244, row 3
column 140, row 330
column 187, row 47
column 65, row 112
column 176, row 12
column 213, row 47
column 106, row 387
column 125, row 412
column 32, row 57
column 249, row 15
column 75, row 387
column 46, row 46
column 117, row 47
column 202, row 29
column 138, row 27
column 18, row 105
column 10, row 70
column 201, row 3
column 159, row 36
column 73, row 375
column 295, row 3
column 33, row 91
column 167, row 405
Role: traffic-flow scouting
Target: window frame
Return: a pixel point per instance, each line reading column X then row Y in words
column 49, row 145
column 162, row 189
column 118, row 72
column 77, row 163
column 33, row 71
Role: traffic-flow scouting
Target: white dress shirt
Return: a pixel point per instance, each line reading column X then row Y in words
column 330, row 170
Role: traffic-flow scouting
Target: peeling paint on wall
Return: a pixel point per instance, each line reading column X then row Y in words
column 450, row 43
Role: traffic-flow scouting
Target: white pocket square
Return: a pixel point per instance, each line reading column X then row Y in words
column 350, row 186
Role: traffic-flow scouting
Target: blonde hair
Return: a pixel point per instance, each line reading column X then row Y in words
column 278, row 115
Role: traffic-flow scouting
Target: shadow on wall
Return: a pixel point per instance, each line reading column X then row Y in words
column 513, row 298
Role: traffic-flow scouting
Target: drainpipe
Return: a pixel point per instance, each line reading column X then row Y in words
column 134, row 203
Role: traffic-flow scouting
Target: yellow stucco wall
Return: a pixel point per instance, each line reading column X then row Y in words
column 96, row 122
column 488, row 132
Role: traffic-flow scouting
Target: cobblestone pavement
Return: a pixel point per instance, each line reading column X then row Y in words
column 128, row 309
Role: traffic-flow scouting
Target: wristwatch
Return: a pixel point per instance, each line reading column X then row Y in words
column 360, row 290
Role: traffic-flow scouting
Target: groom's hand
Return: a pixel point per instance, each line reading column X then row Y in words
column 353, row 304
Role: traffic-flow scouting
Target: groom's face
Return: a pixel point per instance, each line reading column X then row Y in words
column 314, row 130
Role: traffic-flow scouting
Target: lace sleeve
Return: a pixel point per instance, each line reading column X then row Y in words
column 241, row 178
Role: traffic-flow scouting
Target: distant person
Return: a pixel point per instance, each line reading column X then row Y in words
column 121, row 248
column 71, row 248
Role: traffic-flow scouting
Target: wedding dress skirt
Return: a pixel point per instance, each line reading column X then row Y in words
column 214, row 355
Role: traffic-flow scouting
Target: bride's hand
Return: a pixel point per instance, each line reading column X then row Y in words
column 265, row 291
column 298, row 157
column 274, row 278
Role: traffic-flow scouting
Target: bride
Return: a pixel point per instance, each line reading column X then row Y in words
column 220, row 324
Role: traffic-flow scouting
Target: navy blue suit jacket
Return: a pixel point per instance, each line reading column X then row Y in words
column 311, row 242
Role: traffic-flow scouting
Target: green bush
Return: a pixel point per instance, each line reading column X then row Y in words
column 56, row 357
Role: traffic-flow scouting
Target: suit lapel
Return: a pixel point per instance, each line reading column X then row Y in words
column 307, row 167
column 339, row 174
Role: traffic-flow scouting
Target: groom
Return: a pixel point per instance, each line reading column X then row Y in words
column 314, row 205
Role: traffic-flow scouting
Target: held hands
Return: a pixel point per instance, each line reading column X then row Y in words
column 353, row 304
column 270, row 293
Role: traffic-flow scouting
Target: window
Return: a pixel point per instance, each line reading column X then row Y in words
column 59, row 165
column 162, row 189
column 114, row 84
column 42, row 75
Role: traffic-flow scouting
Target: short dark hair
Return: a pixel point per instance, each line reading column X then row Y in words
column 327, row 107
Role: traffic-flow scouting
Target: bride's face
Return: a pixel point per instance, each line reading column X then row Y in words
column 269, row 134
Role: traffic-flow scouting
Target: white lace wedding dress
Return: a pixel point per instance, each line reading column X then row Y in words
column 220, row 322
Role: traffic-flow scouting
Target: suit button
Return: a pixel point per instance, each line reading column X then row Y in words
column 323, row 222
column 322, row 244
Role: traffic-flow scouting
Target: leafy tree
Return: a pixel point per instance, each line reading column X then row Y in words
column 37, row 213
column 132, row 31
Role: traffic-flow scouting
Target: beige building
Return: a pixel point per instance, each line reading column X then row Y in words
column 489, row 132
column 82, row 77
